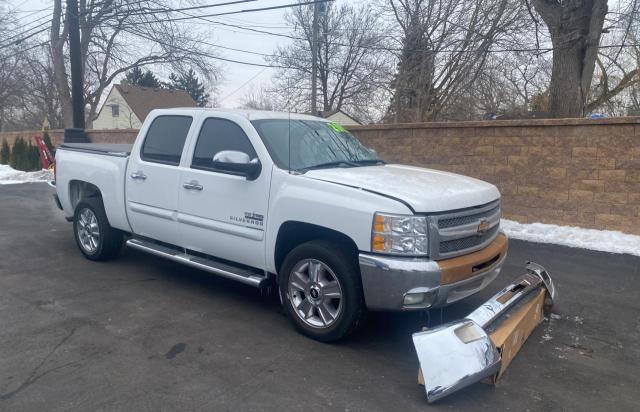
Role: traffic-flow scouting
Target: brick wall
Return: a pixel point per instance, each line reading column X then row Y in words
column 576, row 172
column 96, row 136
column 568, row 171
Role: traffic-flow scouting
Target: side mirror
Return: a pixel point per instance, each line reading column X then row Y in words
column 237, row 163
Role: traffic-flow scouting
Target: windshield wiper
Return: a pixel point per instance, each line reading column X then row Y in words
column 338, row 163
column 370, row 161
column 344, row 163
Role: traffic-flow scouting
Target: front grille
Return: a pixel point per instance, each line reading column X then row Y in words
column 463, row 220
column 457, row 233
column 468, row 242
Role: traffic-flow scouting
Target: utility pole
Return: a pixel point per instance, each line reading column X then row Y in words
column 77, row 96
column 314, row 59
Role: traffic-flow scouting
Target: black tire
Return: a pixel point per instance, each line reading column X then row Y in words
column 344, row 270
column 109, row 240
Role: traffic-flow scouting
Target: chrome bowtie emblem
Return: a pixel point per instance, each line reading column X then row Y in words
column 483, row 227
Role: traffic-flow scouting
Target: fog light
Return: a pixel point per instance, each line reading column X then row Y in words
column 413, row 298
column 470, row 332
column 420, row 299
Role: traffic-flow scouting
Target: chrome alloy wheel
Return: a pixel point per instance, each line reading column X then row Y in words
column 315, row 293
column 88, row 230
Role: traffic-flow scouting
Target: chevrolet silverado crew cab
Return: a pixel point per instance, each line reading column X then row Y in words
column 263, row 197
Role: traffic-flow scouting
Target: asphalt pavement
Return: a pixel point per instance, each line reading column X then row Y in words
column 140, row 333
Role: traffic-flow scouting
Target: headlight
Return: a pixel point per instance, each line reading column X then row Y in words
column 400, row 235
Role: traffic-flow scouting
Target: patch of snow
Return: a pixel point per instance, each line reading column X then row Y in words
column 9, row 176
column 555, row 316
column 601, row 240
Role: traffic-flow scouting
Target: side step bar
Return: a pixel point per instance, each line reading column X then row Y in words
column 246, row 276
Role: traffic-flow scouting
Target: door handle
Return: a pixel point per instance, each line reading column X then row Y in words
column 138, row 175
column 192, row 185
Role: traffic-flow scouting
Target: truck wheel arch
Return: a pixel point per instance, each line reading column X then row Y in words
column 294, row 233
column 79, row 189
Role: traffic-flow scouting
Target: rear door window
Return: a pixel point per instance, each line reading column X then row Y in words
column 215, row 136
column 165, row 139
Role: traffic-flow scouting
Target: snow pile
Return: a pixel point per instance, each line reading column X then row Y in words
column 602, row 240
column 9, row 175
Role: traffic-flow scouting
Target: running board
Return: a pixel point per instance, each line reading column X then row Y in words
column 247, row 276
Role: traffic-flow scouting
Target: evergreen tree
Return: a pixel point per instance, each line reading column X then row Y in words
column 5, row 153
column 189, row 83
column 136, row 77
column 33, row 158
column 19, row 154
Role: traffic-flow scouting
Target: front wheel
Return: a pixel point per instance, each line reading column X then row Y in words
column 321, row 290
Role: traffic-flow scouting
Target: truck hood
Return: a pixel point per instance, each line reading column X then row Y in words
column 425, row 190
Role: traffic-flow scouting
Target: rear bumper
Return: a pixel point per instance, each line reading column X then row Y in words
column 57, row 200
column 388, row 280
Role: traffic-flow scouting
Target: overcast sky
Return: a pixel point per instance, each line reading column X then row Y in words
column 237, row 77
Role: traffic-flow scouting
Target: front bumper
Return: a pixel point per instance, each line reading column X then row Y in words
column 456, row 354
column 387, row 280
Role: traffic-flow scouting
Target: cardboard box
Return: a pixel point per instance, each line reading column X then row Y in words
column 512, row 331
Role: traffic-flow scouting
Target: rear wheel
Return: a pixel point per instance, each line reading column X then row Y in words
column 321, row 290
column 95, row 238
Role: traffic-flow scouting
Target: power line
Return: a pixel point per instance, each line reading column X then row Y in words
column 135, row 13
column 188, row 17
column 27, row 35
column 238, row 50
column 174, row 19
column 209, row 55
column 204, row 6
column 265, row 32
column 23, row 50
column 204, row 54
column 378, row 48
column 243, row 84
column 31, row 13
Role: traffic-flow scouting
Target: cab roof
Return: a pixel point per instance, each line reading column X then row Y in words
column 249, row 114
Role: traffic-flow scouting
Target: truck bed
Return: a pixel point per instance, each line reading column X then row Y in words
column 122, row 150
column 101, row 165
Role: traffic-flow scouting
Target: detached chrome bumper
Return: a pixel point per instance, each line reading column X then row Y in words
column 395, row 283
column 457, row 354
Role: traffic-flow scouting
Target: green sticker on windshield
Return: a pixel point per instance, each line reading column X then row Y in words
column 337, row 127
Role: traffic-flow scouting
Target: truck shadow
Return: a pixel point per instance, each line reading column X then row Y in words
column 376, row 328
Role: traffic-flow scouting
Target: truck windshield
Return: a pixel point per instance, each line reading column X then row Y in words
column 313, row 145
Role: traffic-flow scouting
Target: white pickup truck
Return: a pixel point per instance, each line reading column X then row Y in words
column 263, row 197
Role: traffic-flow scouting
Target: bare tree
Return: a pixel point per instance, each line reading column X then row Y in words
column 260, row 98
column 27, row 92
column 12, row 59
column 445, row 45
column 576, row 27
column 40, row 99
column 507, row 85
column 352, row 63
column 117, row 36
column 618, row 61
